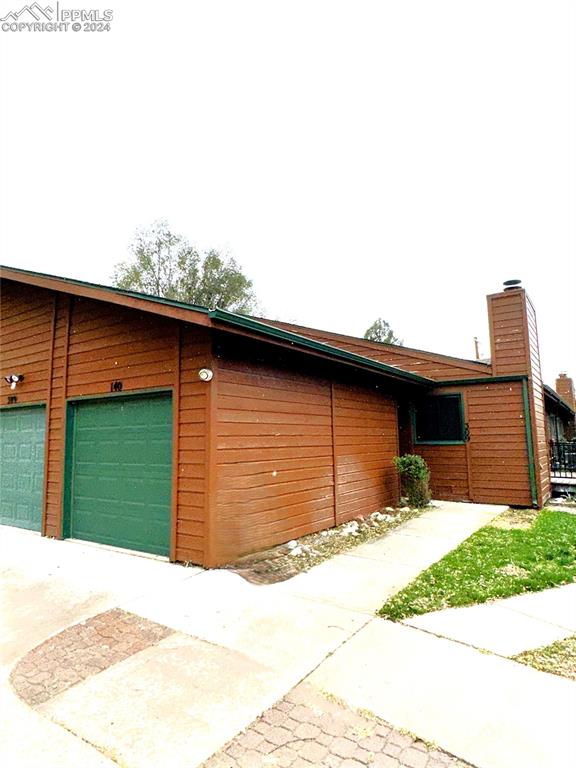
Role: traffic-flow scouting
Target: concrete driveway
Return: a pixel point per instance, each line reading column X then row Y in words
column 231, row 651
column 130, row 660
column 46, row 586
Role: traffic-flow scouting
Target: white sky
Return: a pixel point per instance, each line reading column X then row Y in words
column 359, row 159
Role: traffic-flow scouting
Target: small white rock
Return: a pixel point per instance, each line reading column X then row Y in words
column 292, row 544
column 296, row 551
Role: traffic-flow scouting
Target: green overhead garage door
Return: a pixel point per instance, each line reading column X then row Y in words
column 120, row 472
column 22, row 466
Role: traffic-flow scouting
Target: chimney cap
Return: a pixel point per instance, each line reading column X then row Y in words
column 510, row 285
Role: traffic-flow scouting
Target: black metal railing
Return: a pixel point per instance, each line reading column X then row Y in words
column 563, row 458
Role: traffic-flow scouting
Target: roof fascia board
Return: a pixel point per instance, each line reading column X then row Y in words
column 154, row 305
column 482, row 380
column 551, row 394
column 326, row 350
column 417, row 354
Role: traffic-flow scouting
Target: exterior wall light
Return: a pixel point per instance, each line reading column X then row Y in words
column 13, row 379
column 205, row 374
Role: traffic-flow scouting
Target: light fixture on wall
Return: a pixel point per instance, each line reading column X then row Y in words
column 13, row 379
column 205, row 374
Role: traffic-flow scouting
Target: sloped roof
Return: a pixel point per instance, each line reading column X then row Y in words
column 552, row 395
column 375, row 349
column 217, row 318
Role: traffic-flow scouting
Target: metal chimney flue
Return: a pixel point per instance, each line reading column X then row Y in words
column 511, row 285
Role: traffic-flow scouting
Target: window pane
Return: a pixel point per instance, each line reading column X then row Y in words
column 439, row 419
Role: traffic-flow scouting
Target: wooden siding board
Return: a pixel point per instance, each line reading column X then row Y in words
column 195, row 353
column 27, row 340
column 278, row 443
column 57, row 420
column 256, row 511
column 176, row 496
column 494, row 463
column 76, row 347
column 430, row 364
column 364, row 452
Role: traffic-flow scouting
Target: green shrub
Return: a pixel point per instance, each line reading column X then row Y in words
column 415, row 476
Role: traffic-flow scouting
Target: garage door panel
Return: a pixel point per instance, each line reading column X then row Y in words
column 151, row 491
column 122, row 473
column 22, row 433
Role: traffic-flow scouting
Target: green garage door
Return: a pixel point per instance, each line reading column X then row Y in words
column 121, row 472
column 22, row 466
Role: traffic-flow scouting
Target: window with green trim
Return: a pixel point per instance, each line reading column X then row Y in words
column 439, row 419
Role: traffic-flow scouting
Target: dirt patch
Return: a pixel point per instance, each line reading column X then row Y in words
column 513, row 570
column 287, row 560
column 558, row 658
column 516, row 518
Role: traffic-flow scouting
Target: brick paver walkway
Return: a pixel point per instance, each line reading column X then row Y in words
column 306, row 729
column 80, row 651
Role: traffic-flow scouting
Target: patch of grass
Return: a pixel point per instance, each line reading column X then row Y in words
column 496, row 561
column 558, row 658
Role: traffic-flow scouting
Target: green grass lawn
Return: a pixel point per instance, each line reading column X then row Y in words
column 558, row 658
column 496, row 561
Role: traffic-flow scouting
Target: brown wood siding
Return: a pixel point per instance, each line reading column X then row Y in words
column 541, row 453
column 507, row 333
column 56, row 426
column 448, row 470
column 295, row 452
column 498, row 452
column 26, row 315
column 109, row 343
column 195, row 353
column 429, row 364
column 514, row 342
column 69, row 347
column 273, row 460
column 365, row 443
column 491, row 468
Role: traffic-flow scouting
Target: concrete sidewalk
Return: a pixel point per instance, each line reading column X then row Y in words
column 489, row 711
column 236, row 647
column 507, row 627
column 366, row 576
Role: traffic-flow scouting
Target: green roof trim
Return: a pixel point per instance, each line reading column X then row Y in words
column 242, row 321
column 482, row 380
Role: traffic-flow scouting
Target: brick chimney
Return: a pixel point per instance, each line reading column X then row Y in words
column 565, row 388
column 515, row 351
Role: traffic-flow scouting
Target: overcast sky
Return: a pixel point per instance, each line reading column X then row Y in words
column 358, row 159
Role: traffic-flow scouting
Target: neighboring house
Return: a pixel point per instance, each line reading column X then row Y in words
column 153, row 425
column 560, row 405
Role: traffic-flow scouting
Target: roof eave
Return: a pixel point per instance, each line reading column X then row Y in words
column 155, row 304
column 303, row 342
column 551, row 394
